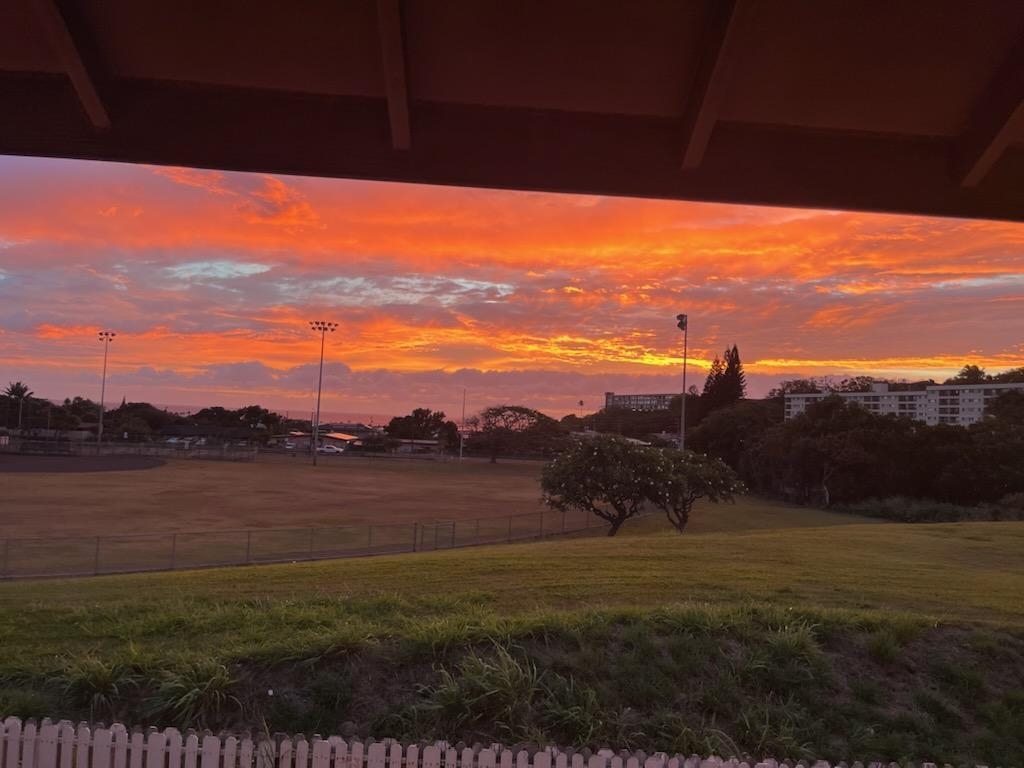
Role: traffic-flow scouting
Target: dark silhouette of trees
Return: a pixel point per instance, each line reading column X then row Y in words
column 516, row 430
column 726, row 383
column 424, row 424
column 970, row 374
column 838, row 452
column 18, row 391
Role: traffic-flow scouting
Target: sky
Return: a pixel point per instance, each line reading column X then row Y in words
column 210, row 278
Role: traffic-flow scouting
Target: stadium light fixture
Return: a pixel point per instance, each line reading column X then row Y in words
column 322, row 327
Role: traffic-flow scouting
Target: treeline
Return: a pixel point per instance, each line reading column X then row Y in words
column 839, row 453
column 131, row 421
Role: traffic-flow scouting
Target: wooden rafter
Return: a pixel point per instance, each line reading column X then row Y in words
column 729, row 19
column 67, row 50
column 389, row 22
column 996, row 120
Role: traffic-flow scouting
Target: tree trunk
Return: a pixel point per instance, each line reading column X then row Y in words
column 615, row 525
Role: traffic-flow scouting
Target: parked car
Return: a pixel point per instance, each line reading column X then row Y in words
column 289, row 446
column 329, row 449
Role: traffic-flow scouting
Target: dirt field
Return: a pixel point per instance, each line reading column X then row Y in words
column 274, row 492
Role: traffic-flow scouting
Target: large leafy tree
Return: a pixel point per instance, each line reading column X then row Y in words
column 689, row 477
column 615, row 479
column 1012, row 376
column 517, row 429
column 424, row 424
column 970, row 374
column 610, row 477
column 19, row 391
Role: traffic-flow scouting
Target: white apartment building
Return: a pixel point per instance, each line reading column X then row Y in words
column 962, row 404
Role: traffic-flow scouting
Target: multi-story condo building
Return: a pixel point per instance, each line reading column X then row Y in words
column 639, row 402
column 962, row 404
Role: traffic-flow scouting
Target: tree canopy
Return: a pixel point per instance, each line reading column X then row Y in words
column 726, row 382
column 516, row 430
column 424, row 424
column 615, row 479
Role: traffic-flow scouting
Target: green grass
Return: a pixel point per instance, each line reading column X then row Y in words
column 766, row 628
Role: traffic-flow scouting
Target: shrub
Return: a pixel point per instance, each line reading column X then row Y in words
column 195, row 695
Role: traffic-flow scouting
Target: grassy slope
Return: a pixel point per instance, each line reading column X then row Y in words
column 909, row 638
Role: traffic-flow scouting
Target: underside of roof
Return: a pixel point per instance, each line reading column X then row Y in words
column 886, row 105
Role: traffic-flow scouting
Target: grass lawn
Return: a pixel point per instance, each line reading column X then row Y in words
column 765, row 629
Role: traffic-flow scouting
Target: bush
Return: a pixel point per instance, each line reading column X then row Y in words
column 902, row 509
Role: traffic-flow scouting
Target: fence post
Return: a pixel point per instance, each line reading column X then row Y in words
column 7, row 553
column 369, row 536
column 563, row 521
column 510, row 529
column 312, row 533
column 415, row 536
column 174, row 550
column 436, row 526
column 540, row 533
column 454, row 523
column 476, row 534
column 248, row 547
column 96, row 557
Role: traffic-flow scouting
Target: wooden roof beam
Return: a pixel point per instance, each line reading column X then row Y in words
column 728, row 22
column 62, row 41
column 389, row 22
column 996, row 120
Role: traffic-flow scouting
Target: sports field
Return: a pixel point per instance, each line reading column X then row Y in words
column 285, row 492
column 273, row 492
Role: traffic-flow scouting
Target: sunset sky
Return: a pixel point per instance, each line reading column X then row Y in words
column 209, row 279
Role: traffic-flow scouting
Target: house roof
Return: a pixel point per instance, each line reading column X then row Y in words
column 905, row 105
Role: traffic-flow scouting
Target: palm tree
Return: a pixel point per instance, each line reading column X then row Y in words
column 19, row 391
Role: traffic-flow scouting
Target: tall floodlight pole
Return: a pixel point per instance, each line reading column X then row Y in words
column 105, row 338
column 321, row 327
column 682, row 402
column 462, row 425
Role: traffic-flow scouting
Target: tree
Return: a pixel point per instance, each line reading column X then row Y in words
column 856, row 384
column 734, row 380
column 732, row 434
column 421, row 424
column 82, row 407
column 970, row 374
column 610, row 477
column 1007, row 407
column 424, row 424
column 1012, row 376
column 810, row 386
column 258, row 417
column 19, row 391
column 726, row 383
column 688, row 477
column 714, row 378
column 62, row 420
column 517, row 429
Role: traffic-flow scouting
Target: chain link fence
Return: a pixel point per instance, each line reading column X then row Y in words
column 32, row 447
column 134, row 553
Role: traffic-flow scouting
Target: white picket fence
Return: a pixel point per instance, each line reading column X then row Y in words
column 65, row 745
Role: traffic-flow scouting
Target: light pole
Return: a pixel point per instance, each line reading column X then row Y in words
column 321, row 327
column 105, row 338
column 682, row 402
